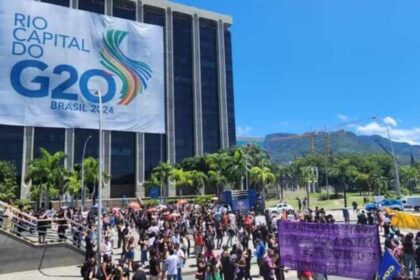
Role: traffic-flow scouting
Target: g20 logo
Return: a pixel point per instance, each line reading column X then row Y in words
column 60, row 91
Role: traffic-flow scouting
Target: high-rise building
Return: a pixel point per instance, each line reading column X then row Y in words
column 199, row 100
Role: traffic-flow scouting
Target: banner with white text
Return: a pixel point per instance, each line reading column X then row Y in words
column 59, row 66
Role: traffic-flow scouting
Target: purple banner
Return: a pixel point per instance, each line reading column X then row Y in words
column 333, row 249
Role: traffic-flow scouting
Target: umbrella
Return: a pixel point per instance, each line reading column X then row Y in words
column 134, row 205
column 166, row 213
column 174, row 215
column 214, row 199
column 182, row 202
column 150, row 210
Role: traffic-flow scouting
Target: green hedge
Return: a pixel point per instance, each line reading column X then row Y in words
column 200, row 200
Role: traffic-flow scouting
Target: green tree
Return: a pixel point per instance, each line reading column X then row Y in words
column 199, row 180
column 261, row 177
column 163, row 173
column 8, row 184
column 47, row 174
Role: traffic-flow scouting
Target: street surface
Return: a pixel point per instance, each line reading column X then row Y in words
column 73, row 272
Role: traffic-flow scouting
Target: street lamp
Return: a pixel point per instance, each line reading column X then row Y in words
column 394, row 159
column 99, row 238
column 83, row 173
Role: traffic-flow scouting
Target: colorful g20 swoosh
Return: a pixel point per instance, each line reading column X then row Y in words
column 133, row 74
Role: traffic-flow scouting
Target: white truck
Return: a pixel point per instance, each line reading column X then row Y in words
column 411, row 202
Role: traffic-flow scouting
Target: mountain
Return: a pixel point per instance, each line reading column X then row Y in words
column 285, row 147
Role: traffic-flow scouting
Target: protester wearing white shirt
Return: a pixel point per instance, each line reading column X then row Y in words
column 172, row 263
column 182, row 259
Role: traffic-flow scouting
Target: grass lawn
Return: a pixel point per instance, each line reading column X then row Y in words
column 314, row 200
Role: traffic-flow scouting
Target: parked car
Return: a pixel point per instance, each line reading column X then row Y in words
column 280, row 208
column 394, row 204
column 411, row 202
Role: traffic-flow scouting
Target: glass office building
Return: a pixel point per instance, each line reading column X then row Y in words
column 199, row 101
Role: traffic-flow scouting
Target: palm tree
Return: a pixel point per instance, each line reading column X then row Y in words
column 237, row 167
column 90, row 176
column 163, row 173
column 199, row 180
column 261, row 176
column 216, row 178
column 72, row 184
column 47, row 174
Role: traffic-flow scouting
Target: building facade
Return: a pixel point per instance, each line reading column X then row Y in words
column 199, row 101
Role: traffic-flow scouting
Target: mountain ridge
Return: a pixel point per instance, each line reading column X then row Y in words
column 285, row 147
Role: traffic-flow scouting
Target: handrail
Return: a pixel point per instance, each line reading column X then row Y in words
column 15, row 210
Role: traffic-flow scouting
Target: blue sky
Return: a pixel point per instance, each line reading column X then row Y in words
column 303, row 65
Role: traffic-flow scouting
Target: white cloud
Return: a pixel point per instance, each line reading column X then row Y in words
column 342, row 117
column 390, row 121
column 284, row 123
column 243, row 130
column 410, row 135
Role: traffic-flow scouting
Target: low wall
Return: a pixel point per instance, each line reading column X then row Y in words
column 18, row 255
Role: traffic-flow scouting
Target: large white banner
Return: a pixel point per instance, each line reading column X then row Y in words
column 54, row 61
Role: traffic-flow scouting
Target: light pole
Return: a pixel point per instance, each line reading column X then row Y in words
column 99, row 238
column 394, row 159
column 83, row 173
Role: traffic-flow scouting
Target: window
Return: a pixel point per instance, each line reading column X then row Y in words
column 124, row 9
column 155, row 144
column 92, row 145
column 229, row 89
column 123, row 164
column 209, row 86
column 183, row 86
column 11, row 147
column 65, row 3
column 51, row 139
column 95, row 6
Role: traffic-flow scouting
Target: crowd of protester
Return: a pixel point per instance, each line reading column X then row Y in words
column 155, row 242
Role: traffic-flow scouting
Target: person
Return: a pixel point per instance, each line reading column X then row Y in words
column 361, row 218
column 90, row 272
column 139, row 273
column 172, row 263
column 240, row 265
column 182, row 259
column 8, row 216
column 248, row 257
column 354, row 204
column 107, row 248
column 267, row 266
column 409, row 256
column 260, row 252
column 370, row 219
column 42, row 225
column 154, row 265
column 144, row 245
column 226, row 265
column 107, row 268
column 299, row 204
column 346, row 215
column 129, row 248
column 89, row 252
column 201, row 267
column 304, row 204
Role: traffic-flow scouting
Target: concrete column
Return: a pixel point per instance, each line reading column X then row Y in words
column 140, row 145
column 170, row 103
column 140, row 191
column 224, row 135
column 108, row 7
column 27, row 156
column 139, row 11
column 74, row 4
column 106, row 191
column 198, row 114
column 69, row 148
